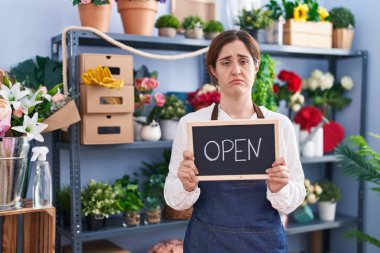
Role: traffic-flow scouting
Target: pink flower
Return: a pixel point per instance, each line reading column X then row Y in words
column 160, row 99
column 18, row 113
column 58, row 97
column 43, row 89
column 85, row 1
column 146, row 84
column 5, row 109
column 5, row 124
column 151, row 84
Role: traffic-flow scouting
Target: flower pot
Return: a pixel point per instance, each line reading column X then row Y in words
column 303, row 214
column 152, row 216
column 138, row 16
column 196, row 33
column 151, row 132
column 211, row 35
column 254, row 33
column 14, row 172
column 342, row 38
column 95, row 222
column 96, row 16
column 132, row 218
column 167, row 32
column 137, row 127
column 169, row 128
column 326, row 210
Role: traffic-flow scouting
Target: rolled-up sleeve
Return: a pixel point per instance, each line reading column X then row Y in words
column 175, row 195
column 293, row 194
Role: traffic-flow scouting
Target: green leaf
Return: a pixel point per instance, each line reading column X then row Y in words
column 362, row 237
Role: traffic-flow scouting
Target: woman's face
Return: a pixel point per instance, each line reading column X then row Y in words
column 235, row 69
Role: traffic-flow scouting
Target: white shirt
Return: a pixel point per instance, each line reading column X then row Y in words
column 285, row 201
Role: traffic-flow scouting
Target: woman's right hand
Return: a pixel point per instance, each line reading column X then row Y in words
column 187, row 172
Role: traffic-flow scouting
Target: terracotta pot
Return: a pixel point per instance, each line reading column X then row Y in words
column 138, row 16
column 95, row 16
column 342, row 38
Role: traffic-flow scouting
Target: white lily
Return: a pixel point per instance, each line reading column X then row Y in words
column 29, row 101
column 31, row 128
column 13, row 94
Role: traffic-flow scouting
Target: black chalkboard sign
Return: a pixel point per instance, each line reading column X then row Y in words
column 233, row 150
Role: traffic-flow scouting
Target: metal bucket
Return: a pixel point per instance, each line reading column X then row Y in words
column 14, row 173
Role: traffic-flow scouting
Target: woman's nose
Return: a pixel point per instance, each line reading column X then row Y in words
column 236, row 69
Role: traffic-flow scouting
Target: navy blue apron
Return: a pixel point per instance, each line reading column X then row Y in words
column 234, row 216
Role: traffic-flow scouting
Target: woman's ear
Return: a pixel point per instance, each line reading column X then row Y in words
column 212, row 71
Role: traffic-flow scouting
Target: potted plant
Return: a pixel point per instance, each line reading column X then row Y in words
column 167, row 25
column 254, row 20
column 274, row 31
column 94, row 13
column 129, row 200
column 343, row 23
column 361, row 162
column 212, row 28
column 304, row 213
column 193, row 26
column 170, row 114
column 138, row 16
column 153, row 196
column 63, row 198
column 327, row 200
column 98, row 203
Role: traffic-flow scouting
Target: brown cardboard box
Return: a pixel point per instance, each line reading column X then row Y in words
column 121, row 66
column 101, row 246
column 103, row 100
column 308, row 34
column 107, row 128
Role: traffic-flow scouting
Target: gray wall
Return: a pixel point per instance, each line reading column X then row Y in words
column 22, row 40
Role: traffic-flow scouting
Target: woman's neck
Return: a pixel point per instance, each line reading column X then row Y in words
column 237, row 108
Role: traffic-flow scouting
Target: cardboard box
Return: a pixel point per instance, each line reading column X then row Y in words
column 308, row 34
column 107, row 128
column 98, row 247
column 121, row 66
column 103, row 100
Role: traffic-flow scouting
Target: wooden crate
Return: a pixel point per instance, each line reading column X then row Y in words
column 308, row 34
column 38, row 234
column 101, row 246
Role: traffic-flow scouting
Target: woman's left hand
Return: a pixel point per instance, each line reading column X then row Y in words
column 278, row 175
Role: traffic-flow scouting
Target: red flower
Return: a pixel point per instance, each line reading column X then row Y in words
column 308, row 117
column 283, row 75
column 333, row 134
column 294, row 83
column 275, row 88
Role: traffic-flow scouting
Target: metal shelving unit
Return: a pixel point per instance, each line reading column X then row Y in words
column 76, row 39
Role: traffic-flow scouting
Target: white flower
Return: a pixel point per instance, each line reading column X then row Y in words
column 13, row 95
column 313, row 84
column 301, row 99
column 310, row 188
column 327, row 81
column 318, row 189
column 316, row 73
column 305, row 84
column 296, row 107
column 27, row 102
column 307, row 182
column 32, row 128
column 347, row 82
column 311, row 198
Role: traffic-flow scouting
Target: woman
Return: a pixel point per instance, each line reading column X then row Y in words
column 235, row 216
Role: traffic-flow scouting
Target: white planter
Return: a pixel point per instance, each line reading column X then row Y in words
column 196, row 33
column 167, row 32
column 151, row 132
column 168, row 129
column 326, row 210
column 137, row 127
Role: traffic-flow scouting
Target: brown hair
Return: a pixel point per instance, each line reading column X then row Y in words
column 227, row 37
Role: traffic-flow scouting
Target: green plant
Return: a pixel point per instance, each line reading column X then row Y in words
column 173, row 108
column 254, row 19
column 363, row 163
column 213, row 26
column 96, row 2
column 128, row 196
column 63, row 198
column 167, row 21
column 98, row 199
column 262, row 90
column 190, row 22
column 342, row 17
column 330, row 192
column 275, row 9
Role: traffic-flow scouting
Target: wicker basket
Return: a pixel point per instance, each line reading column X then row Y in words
column 172, row 214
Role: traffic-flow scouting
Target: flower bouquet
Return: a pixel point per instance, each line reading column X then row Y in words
column 304, row 213
column 204, row 97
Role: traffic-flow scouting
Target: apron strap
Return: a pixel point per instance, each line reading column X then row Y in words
column 215, row 111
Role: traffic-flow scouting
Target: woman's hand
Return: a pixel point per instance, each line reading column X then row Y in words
column 187, row 172
column 278, row 175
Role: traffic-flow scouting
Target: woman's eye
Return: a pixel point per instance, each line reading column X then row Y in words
column 225, row 63
column 243, row 62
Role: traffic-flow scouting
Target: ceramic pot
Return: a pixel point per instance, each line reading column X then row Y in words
column 167, row 32
column 326, row 210
column 168, row 129
column 95, row 222
column 151, row 132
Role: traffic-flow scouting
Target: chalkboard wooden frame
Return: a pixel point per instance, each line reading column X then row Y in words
column 211, row 123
